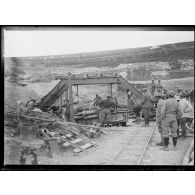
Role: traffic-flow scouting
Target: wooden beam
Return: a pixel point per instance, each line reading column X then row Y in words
column 53, row 95
column 91, row 80
column 77, row 93
column 70, row 97
column 61, row 101
column 111, row 89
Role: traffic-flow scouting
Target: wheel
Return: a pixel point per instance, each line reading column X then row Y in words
column 190, row 126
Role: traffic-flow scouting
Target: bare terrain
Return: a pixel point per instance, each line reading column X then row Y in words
column 173, row 64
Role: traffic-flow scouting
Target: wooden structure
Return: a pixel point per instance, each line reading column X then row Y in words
column 66, row 84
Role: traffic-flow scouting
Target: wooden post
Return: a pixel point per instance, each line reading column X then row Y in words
column 77, row 93
column 70, row 97
column 66, row 95
column 108, row 88
column 111, row 89
column 61, row 102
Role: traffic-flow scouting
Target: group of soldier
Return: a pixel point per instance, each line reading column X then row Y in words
column 173, row 109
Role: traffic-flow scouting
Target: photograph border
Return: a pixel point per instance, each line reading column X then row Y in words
column 83, row 167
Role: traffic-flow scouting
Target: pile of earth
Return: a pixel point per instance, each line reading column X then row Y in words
column 16, row 94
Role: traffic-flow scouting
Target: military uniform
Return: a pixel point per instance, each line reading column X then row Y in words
column 158, row 119
column 136, row 109
column 67, row 110
column 187, row 114
column 158, row 115
column 169, row 113
column 146, row 107
column 105, row 112
column 130, row 103
column 97, row 101
column 159, row 88
column 152, row 88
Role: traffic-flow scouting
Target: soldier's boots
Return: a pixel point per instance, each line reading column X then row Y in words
column 166, row 143
column 161, row 143
column 174, row 143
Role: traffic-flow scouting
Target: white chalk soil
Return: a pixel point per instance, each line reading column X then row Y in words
column 108, row 145
column 154, row 155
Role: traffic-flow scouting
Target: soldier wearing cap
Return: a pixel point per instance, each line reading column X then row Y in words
column 105, row 113
column 158, row 118
column 169, row 113
column 187, row 113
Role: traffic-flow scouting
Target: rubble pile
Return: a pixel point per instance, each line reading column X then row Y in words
column 40, row 131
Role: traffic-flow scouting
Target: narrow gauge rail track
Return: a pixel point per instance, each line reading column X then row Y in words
column 132, row 152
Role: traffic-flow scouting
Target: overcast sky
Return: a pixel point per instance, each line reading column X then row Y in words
column 39, row 43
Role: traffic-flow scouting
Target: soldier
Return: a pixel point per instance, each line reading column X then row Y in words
column 137, row 109
column 159, row 87
column 169, row 113
column 105, row 113
column 158, row 118
column 192, row 97
column 67, row 109
column 152, row 87
column 187, row 113
column 130, row 103
column 97, row 100
column 147, row 105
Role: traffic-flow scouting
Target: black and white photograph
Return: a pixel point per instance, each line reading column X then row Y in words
column 98, row 95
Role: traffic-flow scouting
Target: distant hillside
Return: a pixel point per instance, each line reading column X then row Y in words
column 159, row 62
column 168, row 52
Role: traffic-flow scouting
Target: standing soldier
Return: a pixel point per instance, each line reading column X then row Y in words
column 147, row 105
column 130, row 103
column 152, row 87
column 159, row 87
column 158, row 118
column 105, row 113
column 169, row 113
column 67, row 109
column 97, row 100
column 187, row 113
column 137, row 109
